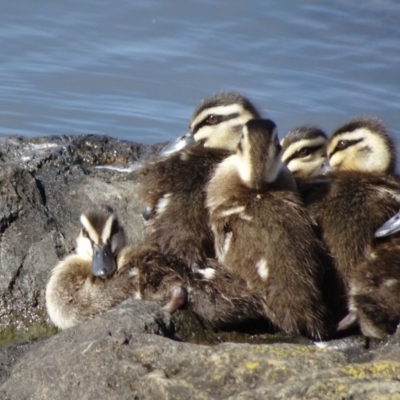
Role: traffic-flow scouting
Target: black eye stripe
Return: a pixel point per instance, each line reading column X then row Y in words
column 312, row 149
column 348, row 144
column 221, row 118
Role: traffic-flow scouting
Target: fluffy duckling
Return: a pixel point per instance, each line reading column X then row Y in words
column 82, row 277
column 212, row 293
column 172, row 186
column 104, row 271
column 362, row 158
column 263, row 233
column 303, row 151
column 361, row 194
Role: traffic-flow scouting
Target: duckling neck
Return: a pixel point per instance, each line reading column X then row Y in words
column 285, row 180
column 226, row 183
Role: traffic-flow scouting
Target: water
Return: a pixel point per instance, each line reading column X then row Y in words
column 136, row 70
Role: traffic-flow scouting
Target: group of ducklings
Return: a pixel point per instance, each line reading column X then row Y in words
column 243, row 228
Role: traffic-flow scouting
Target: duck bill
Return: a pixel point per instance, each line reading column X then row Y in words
column 389, row 227
column 103, row 262
column 181, row 143
column 323, row 169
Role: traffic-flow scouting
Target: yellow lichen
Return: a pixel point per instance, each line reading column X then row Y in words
column 252, row 365
column 374, row 370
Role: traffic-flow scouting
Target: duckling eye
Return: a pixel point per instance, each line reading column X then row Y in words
column 304, row 151
column 212, row 119
column 342, row 144
column 85, row 233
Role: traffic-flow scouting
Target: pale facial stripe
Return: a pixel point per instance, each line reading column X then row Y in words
column 219, row 110
column 106, row 234
column 358, row 134
column 376, row 161
column 90, row 230
column 84, row 247
column 295, row 147
column 212, row 132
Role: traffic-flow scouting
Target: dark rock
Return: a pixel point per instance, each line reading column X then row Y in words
column 136, row 350
column 46, row 183
column 128, row 352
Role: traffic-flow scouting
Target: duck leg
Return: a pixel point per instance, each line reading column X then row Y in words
column 178, row 299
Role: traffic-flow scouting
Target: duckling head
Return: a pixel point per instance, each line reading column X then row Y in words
column 100, row 239
column 218, row 120
column 304, row 150
column 258, row 153
column 362, row 144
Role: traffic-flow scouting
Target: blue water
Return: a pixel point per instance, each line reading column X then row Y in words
column 136, row 70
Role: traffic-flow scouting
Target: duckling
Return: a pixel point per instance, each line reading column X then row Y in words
column 361, row 194
column 303, row 151
column 212, row 293
column 82, row 277
column 263, row 233
column 172, row 186
column 104, row 271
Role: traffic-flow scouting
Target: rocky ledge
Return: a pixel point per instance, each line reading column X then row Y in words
column 136, row 350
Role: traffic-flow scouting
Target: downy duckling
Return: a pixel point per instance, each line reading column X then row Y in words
column 263, row 233
column 361, row 194
column 104, row 271
column 172, row 186
column 303, row 151
column 82, row 277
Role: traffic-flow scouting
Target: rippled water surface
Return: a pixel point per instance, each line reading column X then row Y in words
column 136, row 70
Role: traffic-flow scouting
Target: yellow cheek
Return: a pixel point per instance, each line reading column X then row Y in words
column 346, row 164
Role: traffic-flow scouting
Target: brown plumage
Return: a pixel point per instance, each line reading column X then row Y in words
column 263, row 233
column 74, row 294
column 172, row 187
column 304, row 151
column 351, row 203
column 212, row 292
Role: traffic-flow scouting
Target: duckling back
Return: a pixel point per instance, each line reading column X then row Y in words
column 172, row 187
column 362, row 194
column 257, row 219
column 74, row 293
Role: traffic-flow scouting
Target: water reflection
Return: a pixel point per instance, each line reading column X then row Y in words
column 137, row 70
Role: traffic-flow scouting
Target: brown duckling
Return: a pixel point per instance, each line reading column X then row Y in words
column 172, row 186
column 361, row 194
column 78, row 287
column 263, row 233
column 104, row 271
column 304, row 151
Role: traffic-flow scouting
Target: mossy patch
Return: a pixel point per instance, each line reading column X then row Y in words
column 12, row 335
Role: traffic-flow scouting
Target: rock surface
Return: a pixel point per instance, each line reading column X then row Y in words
column 132, row 351
column 128, row 353
column 45, row 185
